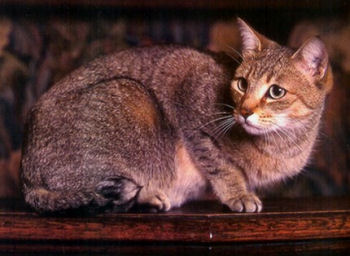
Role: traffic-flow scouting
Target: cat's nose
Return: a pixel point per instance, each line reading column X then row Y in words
column 246, row 112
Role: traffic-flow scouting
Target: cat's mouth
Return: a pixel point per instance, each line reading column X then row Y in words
column 249, row 126
column 251, row 129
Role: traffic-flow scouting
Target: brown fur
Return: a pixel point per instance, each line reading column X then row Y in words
column 152, row 126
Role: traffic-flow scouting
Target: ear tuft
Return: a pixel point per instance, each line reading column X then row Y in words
column 250, row 41
column 312, row 58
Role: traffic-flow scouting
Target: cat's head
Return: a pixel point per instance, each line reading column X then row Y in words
column 276, row 87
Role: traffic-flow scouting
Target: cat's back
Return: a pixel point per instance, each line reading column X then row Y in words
column 138, row 76
column 135, row 63
column 159, row 70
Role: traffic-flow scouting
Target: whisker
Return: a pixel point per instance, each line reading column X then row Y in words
column 228, row 127
column 226, row 105
column 221, row 113
column 288, row 136
column 234, row 58
column 213, row 121
column 224, row 131
column 222, row 124
column 274, row 140
column 223, row 128
column 291, row 139
column 266, row 138
column 233, row 49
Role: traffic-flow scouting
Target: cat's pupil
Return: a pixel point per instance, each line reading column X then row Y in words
column 242, row 84
column 276, row 92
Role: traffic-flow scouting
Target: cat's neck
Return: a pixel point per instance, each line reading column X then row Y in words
column 289, row 142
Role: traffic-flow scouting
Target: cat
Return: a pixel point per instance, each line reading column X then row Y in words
column 156, row 126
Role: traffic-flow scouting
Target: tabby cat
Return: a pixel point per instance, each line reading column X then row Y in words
column 155, row 126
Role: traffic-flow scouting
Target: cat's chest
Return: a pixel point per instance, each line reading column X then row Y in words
column 264, row 169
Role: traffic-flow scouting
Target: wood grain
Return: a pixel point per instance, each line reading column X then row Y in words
column 202, row 222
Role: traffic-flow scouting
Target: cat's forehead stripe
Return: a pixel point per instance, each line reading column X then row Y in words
column 261, row 70
column 269, row 76
column 267, row 66
column 249, row 71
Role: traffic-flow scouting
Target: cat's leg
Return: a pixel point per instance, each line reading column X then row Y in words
column 45, row 200
column 230, row 186
column 227, row 180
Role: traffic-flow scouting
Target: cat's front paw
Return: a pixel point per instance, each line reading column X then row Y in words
column 155, row 199
column 245, row 203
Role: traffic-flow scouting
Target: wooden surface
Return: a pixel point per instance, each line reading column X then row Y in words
column 302, row 224
column 202, row 222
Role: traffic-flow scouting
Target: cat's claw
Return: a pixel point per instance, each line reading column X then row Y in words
column 154, row 199
column 245, row 203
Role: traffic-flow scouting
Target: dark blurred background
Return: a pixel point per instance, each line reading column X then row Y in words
column 43, row 40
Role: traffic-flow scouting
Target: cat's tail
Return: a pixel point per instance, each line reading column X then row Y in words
column 43, row 200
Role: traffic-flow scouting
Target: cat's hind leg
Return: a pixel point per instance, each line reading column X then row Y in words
column 120, row 191
column 138, row 145
column 123, row 194
column 44, row 200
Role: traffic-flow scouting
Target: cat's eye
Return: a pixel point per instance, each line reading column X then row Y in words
column 276, row 92
column 242, row 84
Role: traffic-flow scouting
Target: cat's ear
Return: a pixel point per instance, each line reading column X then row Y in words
column 312, row 58
column 252, row 41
